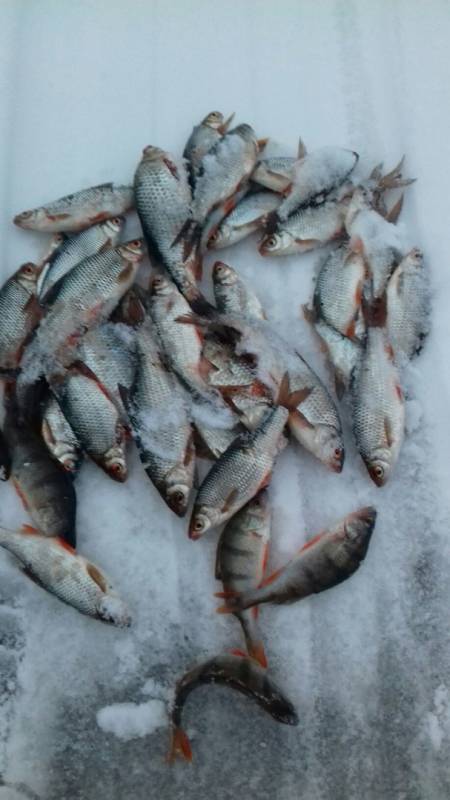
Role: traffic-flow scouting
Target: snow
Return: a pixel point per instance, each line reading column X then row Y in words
column 132, row 720
column 84, row 88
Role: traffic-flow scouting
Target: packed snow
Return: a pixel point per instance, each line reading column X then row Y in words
column 85, row 86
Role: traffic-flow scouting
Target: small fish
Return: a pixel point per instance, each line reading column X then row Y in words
column 237, row 672
column 213, row 441
column 59, row 437
column 45, row 488
column 338, row 292
column 80, row 210
column 19, row 314
column 408, row 305
column 94, row 418
column 202, row 139
column 109, row 352
column 323, row 562
column 274, row 173
column 240, row 562
column 343, row 354
column 160, row 423
column 306, row 229
column 55, row 566
column 231, row 294
column 245, row 218
column 76, row 248
column 378, row 406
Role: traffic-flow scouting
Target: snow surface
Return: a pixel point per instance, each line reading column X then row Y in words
column 85, row 86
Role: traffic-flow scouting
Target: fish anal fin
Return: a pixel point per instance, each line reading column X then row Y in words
column 29, row 530
column 257, row 652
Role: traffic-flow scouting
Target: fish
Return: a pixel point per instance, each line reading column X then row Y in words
column 238, row 672
column 59, row 437
column 160, row 423
column 83, row 298
column 241, row 557
column 5, row 458
column 202, row 139
column 44, row 487
column 244, row 219
column 109, row 352
column 306, row 229
column 378, row 405
column 227, row 370
column 94, row 418
column 74, row 249
column 324, row 561
column 242, row 470
column 342, row 353
column 55, row 566
column 408, row 305
column 213, row 441
column 231, row 294
column 315, row 176
column 19, row 314
column 338, row 292
column 163, row 202
column 80, row 210
column 274, row 173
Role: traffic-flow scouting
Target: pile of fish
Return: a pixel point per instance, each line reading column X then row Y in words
column 92, row 355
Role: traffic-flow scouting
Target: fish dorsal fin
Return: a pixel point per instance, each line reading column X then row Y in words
column 96, row 576
column 301, row 148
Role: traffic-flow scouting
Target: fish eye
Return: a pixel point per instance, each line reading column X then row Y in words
column 337, row 452
column 116, row 221
column 214, row 236
column 379, row 471
column 178, row 496
column 271, row 241
column 198, row 525
column 136, row 243
column 28, row 270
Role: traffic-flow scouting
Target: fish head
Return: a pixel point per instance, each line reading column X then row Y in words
column 358, row 528
column 112, row 227
column 201, row 521
column 278, row 243
column 114, row 463
column 324, row 441
column 223, row 274
column 213, row 120
column 151, row 153
column 31, row 219
column 219, row 236
column 27, row 275
column 379, row 465
column 160, row 286
column 112, row 609
column 281, row 708
column 132, row 251
column 178, row 488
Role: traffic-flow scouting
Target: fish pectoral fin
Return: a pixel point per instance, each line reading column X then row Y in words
column 394, row 212
column 301, row 148
column 388, row 432
column 172, row 168
column 226, row 594
column 126, row 273
column 56, row 217
column 257, row 652
column 96, row 576
column 82, row 369
column 29, row 529
column 65, row 545
column 299, row 419
column 270, row 578
column 262, row 143
column 230, row 500
column 312, row 243
column 235, row 651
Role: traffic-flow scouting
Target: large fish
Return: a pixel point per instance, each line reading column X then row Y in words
column 74, row 249
column 45, row 488
column 163, row 198
column 19, row 314
column 202, row 139
column 109, row 352
column 232, row 295
column 275, row 172
column 323, row 562
column 247, row 217
column 378, row 406
column 160, row 423
column 408, row 305
column 79, row 210
column 342, row 353
column 241, row 558
column 338, row 292
column 305, row 229
column 55, row 566
column 237, row 672
column 94, row 418
column 59, row 437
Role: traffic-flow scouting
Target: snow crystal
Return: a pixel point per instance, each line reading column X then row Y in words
column 132, row 720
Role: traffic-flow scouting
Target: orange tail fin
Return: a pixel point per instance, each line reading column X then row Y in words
column 256, row 651
column 179, row 746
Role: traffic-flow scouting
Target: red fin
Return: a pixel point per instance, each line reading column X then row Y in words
column 388, row 432
column 297, row 418
column 62, row 543
column 394, row 212
column 257, row 652
column 262, row 143
column 225, row 610
column 198, row 268
column 399, row 392
column 172, row 168
column 310, row 243
column 254, row 611
column 389, row 350
column 83, row 369
column 98, row 217
column 350, row 330
column 309, row 314
column 179, row 746
column 359, row 293
column 291, row 399
column 126, row 273
column 310, row 542
column 204, row 368
column 226, row 594
column 356, row 244
column 29, row 529
column 271, row 578
column 236, row 652
column 21, row 494
column 265, row 481
column 265, row 558
column 228, row 205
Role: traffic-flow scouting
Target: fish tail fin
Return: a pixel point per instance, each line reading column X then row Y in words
column 253, row 641
column 179, row 746
column 190, row 234
column 257, row 652
column 199, row 304
column 374, row 311
column 288, row 399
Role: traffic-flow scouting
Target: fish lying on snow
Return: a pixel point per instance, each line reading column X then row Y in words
column 202, row 139
column 408, row 305
column 342, row 353
column 59, row 437
column 338, row 292
column 245, row 218
column 109, row 352
column 79, row 210
column 231, row 294
column 240, row 562
column 19, row 313
column 325, row 561
column 55, row 566
column 276, row 172
column 237, row 672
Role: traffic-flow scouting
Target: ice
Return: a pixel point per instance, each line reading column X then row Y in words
column 85, row 86
column 132, row 720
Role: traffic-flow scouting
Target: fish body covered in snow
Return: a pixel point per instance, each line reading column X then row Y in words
column 79, row 210
column 109, row 352
column 378, row 406
column 408, row 305
column 241, row 557
column 232, row 295
column 59, row 437
column 305, row 229
column 342, row 353
column 325, row 561
column 202, row 139
column 237, row 672
column 74, row 249
column 338, row 292
column 45, row 488
column 245, row 218
column 56, row 567
column 239, row 474
column 19, row 313
column 160, row 424
column 163, row 199
column 274, row 173
column 94, row 418
column 315, row 176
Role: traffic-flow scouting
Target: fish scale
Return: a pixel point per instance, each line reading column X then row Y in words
column 338, row 292
column 306, row 229
column 109, row 352
column 202, row 139
column 408, row 305
column 59, row 437
column 232, row 295
column 19, row 313
column 247, row 217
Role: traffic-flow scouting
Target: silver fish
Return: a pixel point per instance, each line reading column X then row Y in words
column 408, row 305
column 109, row 352
column 79, row 210
column 306, row 229
column 338, row 292
column 247, row 217
column 76, row 248
column 55, row 566
column 202, row 140
column 343, row 354
column 213, row 441
column 232, row 295
column 160, row 423
column 274, row 173
column 325, row 561
column 19, row 314
column 241, row 557
column 59, row 437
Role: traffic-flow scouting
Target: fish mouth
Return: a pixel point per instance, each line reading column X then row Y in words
column 368, row 514
column 336, row 462
column 19, row 218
